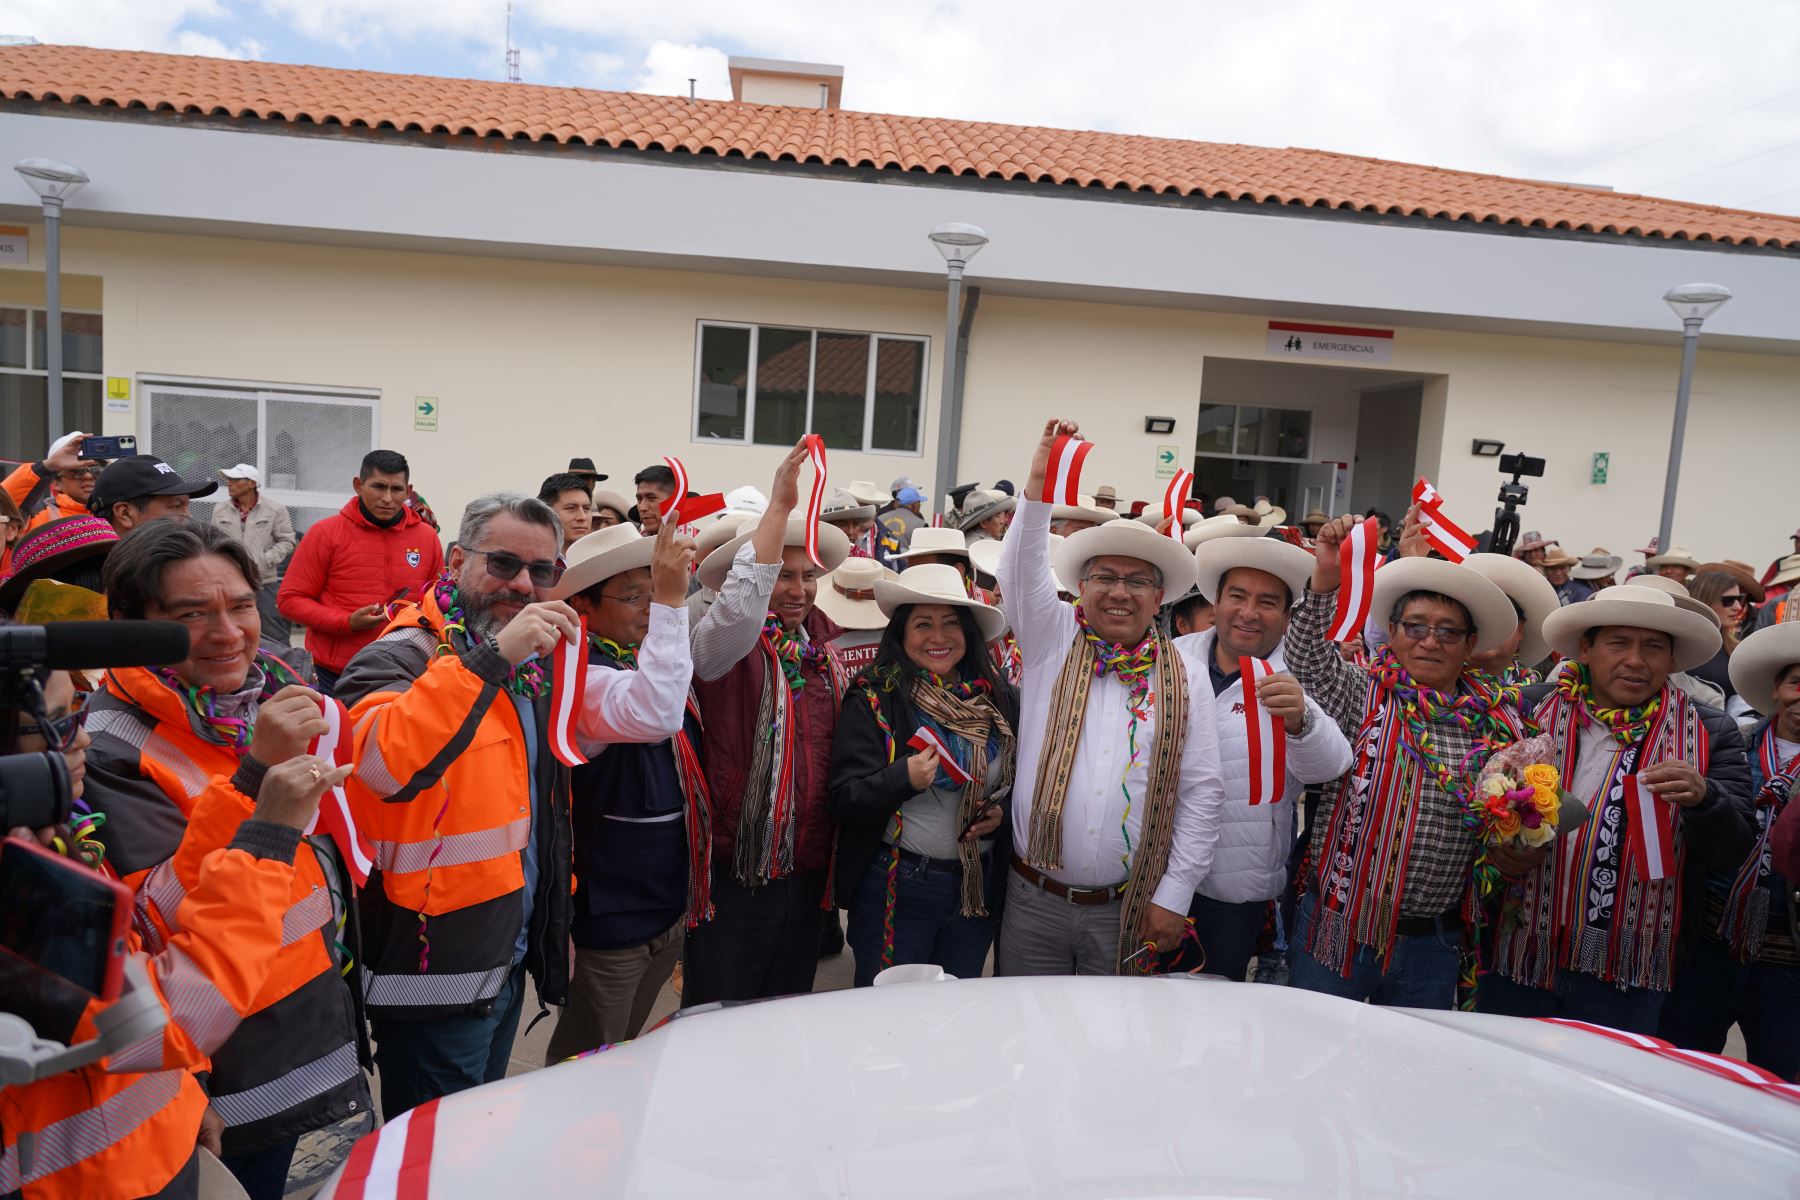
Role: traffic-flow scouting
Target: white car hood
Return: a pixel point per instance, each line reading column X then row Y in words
column 1112, row 1087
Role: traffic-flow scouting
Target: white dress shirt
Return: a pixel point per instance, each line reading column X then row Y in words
column 645, row 705
column 734, row 620
column 1095, row 815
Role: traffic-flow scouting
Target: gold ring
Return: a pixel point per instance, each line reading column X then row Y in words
column 316, row 773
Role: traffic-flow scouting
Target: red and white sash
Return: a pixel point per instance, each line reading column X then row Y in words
column 567, row 686
column 1062, row 479
column 925, row 739
column 1446, row 536
column 1649, row 830
column 333, row 817
column 1267, row 733
column 1357, row 559
column 1175, row 500
column 815, row 499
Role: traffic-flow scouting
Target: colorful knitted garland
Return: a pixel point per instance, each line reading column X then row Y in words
column 203, row 702
column 1627, row 725
column 793, row 653
column 529, row 679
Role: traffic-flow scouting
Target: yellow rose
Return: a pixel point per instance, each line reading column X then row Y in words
column 1542, row 775
column 1539, row 836
column 1548, row 802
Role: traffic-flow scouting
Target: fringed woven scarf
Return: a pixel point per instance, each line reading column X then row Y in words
column 1369, row 844
column 1746, row 917
column 1166, row 701
column 1586, row 909
column 768, row 819
column 698, row 807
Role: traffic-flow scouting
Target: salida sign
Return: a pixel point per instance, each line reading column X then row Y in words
column 1341, row 343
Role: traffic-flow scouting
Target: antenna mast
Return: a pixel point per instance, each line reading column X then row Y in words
column 512, row 53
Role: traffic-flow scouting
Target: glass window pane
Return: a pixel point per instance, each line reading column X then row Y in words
column 840, row 381
column 22, row 435
column 81, row 342
column 1273, row 432
column 1215, row 428
column 899, row 395
column 724, row 374
column 12, row 337
column 81, row 403
column 783, row 369
column 198, row 432
column 315, row 446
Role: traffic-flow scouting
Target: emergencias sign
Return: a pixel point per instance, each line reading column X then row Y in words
column 1342, row 343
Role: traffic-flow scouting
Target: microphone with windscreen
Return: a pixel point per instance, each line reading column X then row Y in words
column 89, row 645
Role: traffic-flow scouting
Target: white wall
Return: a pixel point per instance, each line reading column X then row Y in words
column 1387, row 435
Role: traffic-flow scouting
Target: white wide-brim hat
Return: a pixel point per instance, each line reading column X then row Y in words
column 1154, row 517
column 1696, row 638
column 1223, row 526
column 723, row 528
column 834, row 548
column 930, row 539
column 1528, row 589
column 1124, row 539
column 619, row 504
column 847, row 595
column 1488, row 606
column 1678, row 556
column 1788, row 572
column 601, row 555
column 1759, row 661
column 1597, row 566
column 1082, row 512
column 985, row 553
column 868, row 493
column 1286, row 562
column 937, row 583
column 1659, row 583
column 980, row 506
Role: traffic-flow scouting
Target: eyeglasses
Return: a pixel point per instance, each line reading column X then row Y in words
column 502, row 565
column 1446, row 635
column 79, row 473
column 1737, row 601
column 60, row 733
column 630, row 600
column 1137, row 585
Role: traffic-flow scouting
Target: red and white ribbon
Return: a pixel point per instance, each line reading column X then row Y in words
column 937, row 520
column 1267, row 734
column 1357, row 556
column 815, row 500
column 1446, row 536
column 1713, row 1064
column 1649, row 830
column 333, row 817
column 567, row 686
column 695, row 507
column 667, row 508
column 1062, row 479
column 925, row 739
column 394, row 1162
column 1175, row 500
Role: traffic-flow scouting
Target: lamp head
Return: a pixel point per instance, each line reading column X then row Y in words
column 1696, row 301
column 51, row 180
column 958, row 243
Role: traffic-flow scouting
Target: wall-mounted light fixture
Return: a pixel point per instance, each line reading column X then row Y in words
column 1159, row 424
column 1487, row 448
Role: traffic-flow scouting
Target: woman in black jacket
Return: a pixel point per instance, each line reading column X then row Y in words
column 921, row 782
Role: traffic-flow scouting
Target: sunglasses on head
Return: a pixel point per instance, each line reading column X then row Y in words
column 502, row 565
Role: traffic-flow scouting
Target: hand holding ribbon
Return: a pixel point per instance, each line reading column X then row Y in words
column 334, row 817
column 568, row 686
column 1267, row 735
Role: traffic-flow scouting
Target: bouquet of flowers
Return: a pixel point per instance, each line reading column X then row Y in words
column 1522, row 802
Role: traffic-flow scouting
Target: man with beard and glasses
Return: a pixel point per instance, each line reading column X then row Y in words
column 467, row 809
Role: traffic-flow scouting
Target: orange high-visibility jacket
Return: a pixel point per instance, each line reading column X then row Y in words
column 40, row 503
column 443, row 790
column 296, row 1063
column 126, row 1126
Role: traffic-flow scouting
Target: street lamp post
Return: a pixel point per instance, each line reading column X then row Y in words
column 1693, row 303
column 54, row 182
column 958, row 243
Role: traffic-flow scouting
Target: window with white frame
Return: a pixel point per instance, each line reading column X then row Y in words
column 24, row 378
column 1254, row 431
column 308, row 443
column 768, row 384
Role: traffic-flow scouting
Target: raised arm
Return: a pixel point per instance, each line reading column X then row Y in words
column 729, row 630
column 646, row 705
column 1339, row 687
column 1041, row 620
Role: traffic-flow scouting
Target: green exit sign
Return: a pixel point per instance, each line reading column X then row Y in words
column 1602, row 460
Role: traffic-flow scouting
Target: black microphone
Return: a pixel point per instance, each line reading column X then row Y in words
column 76, row 645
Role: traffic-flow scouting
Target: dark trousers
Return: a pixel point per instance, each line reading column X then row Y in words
column 1228, row 933
column 1422, row 973
column 327, row 680
column 1576, row 996
column 761, row 941
column 928, row 923
column 422, row 1060
column 1713, row 993
column 263, row 1173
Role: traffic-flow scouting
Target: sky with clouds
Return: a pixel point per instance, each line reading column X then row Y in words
column 1694, row 101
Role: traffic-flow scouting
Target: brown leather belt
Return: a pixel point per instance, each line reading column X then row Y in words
column 1062, row 891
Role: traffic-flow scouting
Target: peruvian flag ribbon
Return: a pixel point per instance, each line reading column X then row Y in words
column 667, row 508
column 1267, row 734
column 1357, row 556
column 925, row 739
column 1649, row 831
column 1062, row 480
column 815, row 499
column 1446, row 536
column 394, row 1162
column 1175, row 499
column 568, row 683
column 333, row 815
column 693, row 508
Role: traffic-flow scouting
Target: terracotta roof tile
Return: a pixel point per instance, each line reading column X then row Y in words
column 1052, row 157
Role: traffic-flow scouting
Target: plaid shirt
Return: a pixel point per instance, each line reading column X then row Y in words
column 1443, row 850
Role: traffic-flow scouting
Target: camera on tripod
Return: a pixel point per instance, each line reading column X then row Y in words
column 1513, row 493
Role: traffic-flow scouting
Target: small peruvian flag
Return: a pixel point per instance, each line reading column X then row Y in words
column 567, row 685
column 1446, row 536
column 1267, row 736
column 1649, row 831
column 667, row 508
column 925, row 739
column 815, row 499
column 1357, row 556
column 333, row 817
column 1062, row 479
column 1175, row 500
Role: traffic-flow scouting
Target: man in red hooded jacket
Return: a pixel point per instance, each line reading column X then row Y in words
column 376, row 551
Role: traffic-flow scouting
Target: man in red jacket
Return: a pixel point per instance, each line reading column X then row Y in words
column 351, row 566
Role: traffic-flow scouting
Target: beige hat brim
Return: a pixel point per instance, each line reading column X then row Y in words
column 892, row 595
column 1759, row 661
column 614, row 501
column 1219, row 557
column 598, row 568
column 1124, row 539
column 1605, row 571
column 862, row 512
column 1488, row 606
column 986, row 512
column 951, row 551
column 1672, row 560
column 861, row 615
column 834, row 548
column 1696, row 638
column 1526, row 588
column 1657, row 583
column 1225, row 526
column 1078, row 512
column 1785, row 575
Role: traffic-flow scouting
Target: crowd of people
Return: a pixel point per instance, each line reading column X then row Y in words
column 1022, row 735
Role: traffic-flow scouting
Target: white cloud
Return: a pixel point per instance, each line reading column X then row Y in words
column 112, row 24
column 668, row 67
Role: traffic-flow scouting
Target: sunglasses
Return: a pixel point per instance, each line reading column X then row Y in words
column 1734, row 601
column 59, row 733
column 502, row 565
column 1418, row 631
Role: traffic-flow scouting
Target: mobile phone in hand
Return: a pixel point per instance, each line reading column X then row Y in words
column 94, row 446
column 975, row 819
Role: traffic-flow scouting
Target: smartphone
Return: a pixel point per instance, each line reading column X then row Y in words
column 95, row 446
column 398, row 596
column 975, row 818
column 62, row 918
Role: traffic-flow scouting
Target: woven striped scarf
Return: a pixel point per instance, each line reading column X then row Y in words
column 1746, row 917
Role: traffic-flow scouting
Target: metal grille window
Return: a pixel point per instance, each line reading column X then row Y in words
column 767, row 385
column 24, row 379
column 308, row 445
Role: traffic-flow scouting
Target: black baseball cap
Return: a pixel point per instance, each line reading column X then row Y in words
column 585, row 467
column 143, row 475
